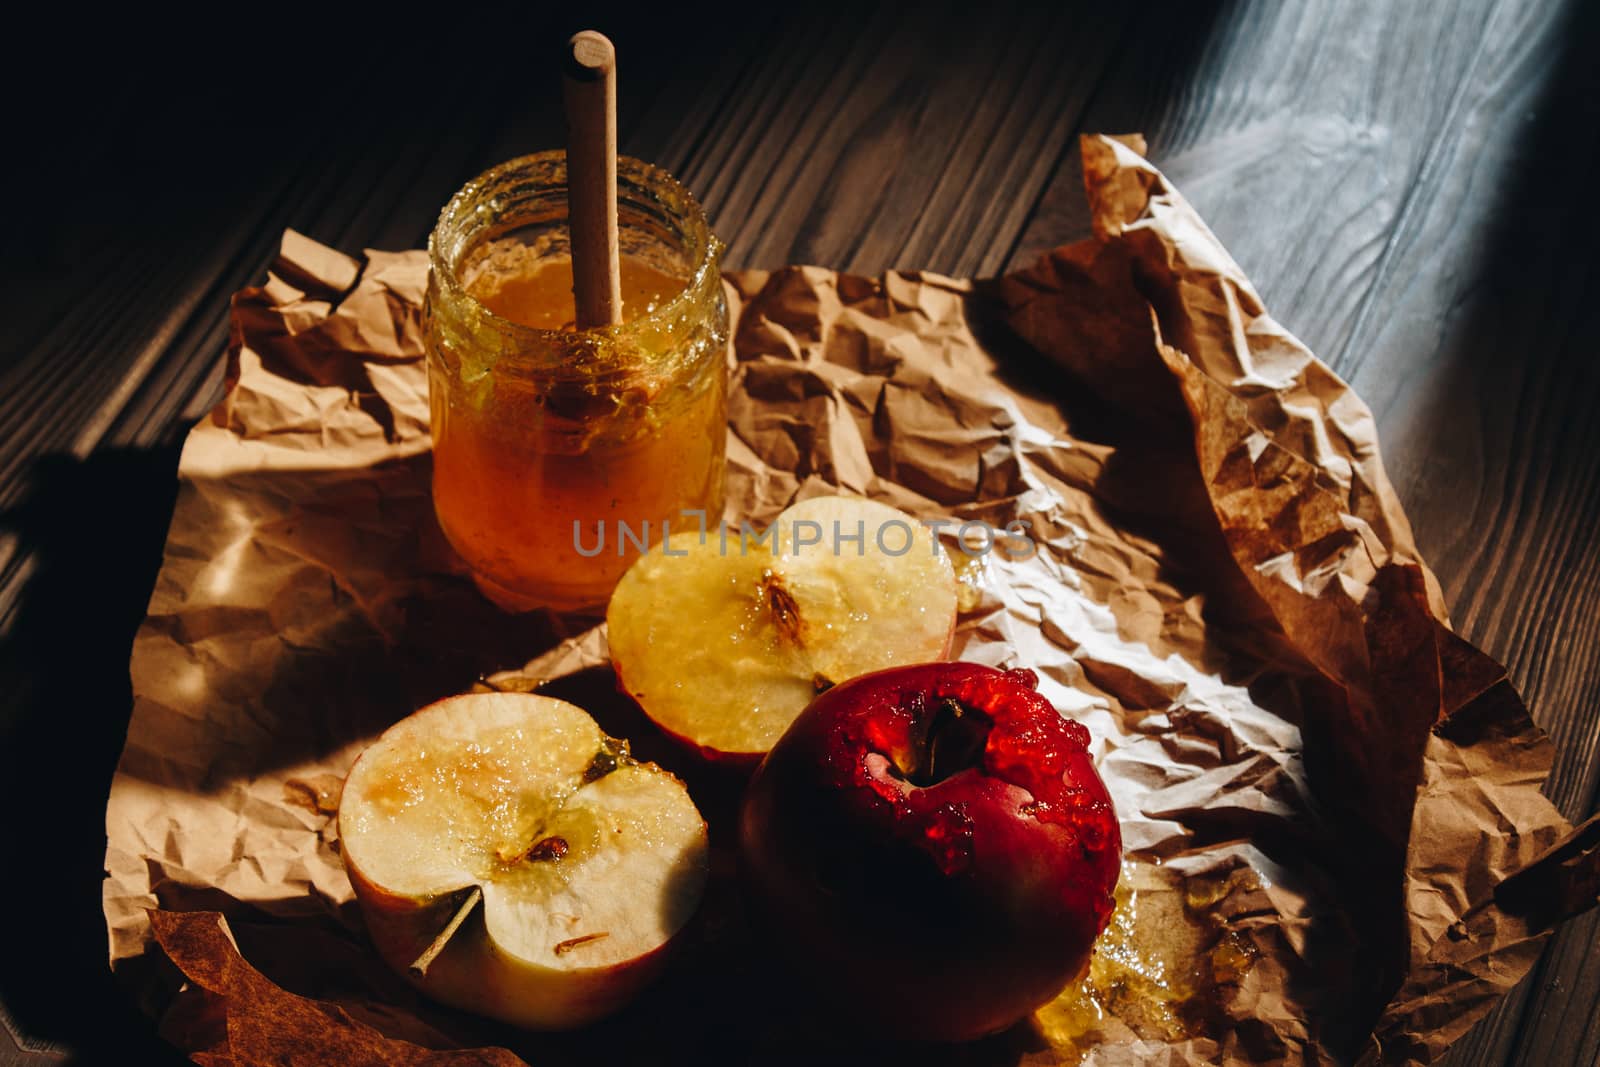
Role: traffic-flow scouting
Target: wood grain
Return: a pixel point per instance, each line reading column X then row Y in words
column 871, row 144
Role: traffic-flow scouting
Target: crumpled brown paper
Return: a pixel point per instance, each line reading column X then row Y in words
column 1337, row 845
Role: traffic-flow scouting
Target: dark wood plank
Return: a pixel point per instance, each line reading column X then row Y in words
column 1560, row 1024
column 25, row 1052
column 872, row 143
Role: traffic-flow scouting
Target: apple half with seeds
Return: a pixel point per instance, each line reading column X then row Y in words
column 512, row 860
column 723, row 639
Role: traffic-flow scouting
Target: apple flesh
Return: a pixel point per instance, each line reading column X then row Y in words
column 512, row 860
column 933, row 844
column 723, row 642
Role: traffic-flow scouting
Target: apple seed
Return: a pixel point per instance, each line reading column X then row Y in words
column 785, row 610
column 546, row 848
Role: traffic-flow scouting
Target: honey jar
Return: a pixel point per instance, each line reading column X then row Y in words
column 558, row 452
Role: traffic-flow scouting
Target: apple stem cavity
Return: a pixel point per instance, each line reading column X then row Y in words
column 613, row 754
column 953, row 741
column 419, row 967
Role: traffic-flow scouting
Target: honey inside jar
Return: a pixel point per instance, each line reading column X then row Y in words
column 557, row 452
column 540, row 295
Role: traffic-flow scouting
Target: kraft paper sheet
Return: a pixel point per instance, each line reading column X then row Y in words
column 1337, row 845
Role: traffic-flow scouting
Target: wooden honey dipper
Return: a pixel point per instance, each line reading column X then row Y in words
column 590, row 91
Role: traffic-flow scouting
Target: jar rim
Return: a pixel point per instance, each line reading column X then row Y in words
column 705, row 252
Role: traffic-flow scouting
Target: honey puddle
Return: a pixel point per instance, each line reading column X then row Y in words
column 1161, row 971
column 972, row 574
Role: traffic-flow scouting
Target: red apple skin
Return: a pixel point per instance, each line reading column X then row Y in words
column 945, row 911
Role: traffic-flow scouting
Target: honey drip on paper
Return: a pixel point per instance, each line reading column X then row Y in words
column 972, row 572
column 1161, row 970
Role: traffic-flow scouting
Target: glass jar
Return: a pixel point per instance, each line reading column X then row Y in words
column 557, row 452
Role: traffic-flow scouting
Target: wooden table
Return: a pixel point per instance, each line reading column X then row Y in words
column 1405, row 182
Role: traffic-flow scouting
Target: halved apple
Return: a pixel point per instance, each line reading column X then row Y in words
column 512, row 860
column 723, row 639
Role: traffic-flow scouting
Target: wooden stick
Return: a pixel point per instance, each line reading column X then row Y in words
column 419, row 968
column 591, row 96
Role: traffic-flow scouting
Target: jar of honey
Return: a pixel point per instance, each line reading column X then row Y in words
column 557, row 452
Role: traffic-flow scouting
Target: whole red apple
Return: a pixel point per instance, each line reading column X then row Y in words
column 934, row 844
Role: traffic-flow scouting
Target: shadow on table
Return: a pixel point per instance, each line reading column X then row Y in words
column 95, row 531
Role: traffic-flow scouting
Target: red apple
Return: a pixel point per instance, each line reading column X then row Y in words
column 934, row 844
